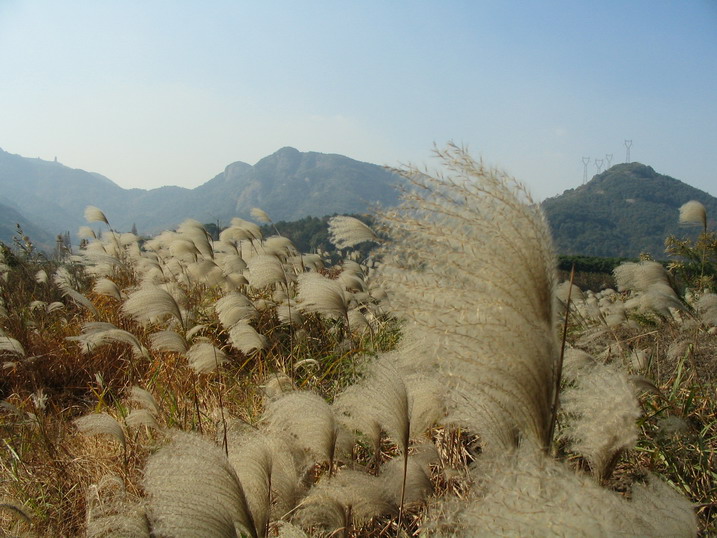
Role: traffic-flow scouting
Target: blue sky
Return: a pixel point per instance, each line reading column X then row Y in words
column 153, row 93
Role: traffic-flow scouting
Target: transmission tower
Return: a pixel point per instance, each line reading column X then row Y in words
column 608, row 158
column 586, row 161
column 598, row 165
column 628, row 145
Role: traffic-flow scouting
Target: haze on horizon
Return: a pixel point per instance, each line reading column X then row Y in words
column 169, row 93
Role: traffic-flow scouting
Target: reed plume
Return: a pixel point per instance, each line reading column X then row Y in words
column 193, row 231
column 96, row 334
column 472, row 265
column 347, row 232
column 93, row 214
column 309, row 420
column 151, row 303
column 693, row 212
column 66, row 283
column 323, row 295
column 111, row 511
column 105, row 286
column 194, row 491
column 524, row 493
column 245, row 338
column 101, row 424
column 265, row 270
column 233, row 308
column 204, row 357
column 601, row 412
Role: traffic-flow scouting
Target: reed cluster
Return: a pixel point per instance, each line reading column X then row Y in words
column 180, row 386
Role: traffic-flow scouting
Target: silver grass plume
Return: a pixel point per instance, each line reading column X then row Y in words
column 193, row 231
column 232, row 263
column 693, row 212
column 151, row 303
column 284, row 529
column 288, row 312
column 268, row 473
column 101, row 424
column 204, row 357
column 403, row 413
column 245, row 338
column 265, row 270
column 207, row 272
column 241, row 229
column 252, row 461
column 418, row 481
column 168, row 340
column 141, row 417
column 276, row 385
column 312, row 262
column 309, row 420
column 352, row 412
column 194, row 491
column 563, row 289
column 112, row 512
column 525, row 493
column 345, row 232
column 144, row 399
column 105, row 286
column 351, row 281
column 404, row 406
column 93, row 214
column 85, row 232
column 472, row 264
column 64, row 281
column 280, row 246
column 323, row 295
column 97, row 334
column 650, row 281
column 338, row 503
column 639, row 276
column 707, row 308
column 601, row 412
column 260, row 215
column 233, row 308
column 10, row 345
column 184, row 249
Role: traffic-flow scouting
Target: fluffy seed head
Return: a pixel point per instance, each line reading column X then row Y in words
column 93, row 214
column 693, row 212
column 99, row 424
column 349, row 231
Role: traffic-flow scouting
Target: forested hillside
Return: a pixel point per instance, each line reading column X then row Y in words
column 627, row 210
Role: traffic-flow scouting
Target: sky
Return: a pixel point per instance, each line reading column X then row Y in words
column 153, row 93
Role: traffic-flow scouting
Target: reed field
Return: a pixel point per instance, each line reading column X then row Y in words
column 449, row 384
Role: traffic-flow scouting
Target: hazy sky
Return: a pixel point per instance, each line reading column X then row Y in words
column 153, row 93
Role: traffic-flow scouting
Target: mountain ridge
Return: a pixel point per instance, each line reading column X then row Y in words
column 288, row 185
column 627, row 210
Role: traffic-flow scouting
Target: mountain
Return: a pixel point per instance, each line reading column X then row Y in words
column 627, row 210
column 288, row 185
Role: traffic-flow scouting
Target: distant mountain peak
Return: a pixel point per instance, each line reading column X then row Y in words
column 622, row 212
